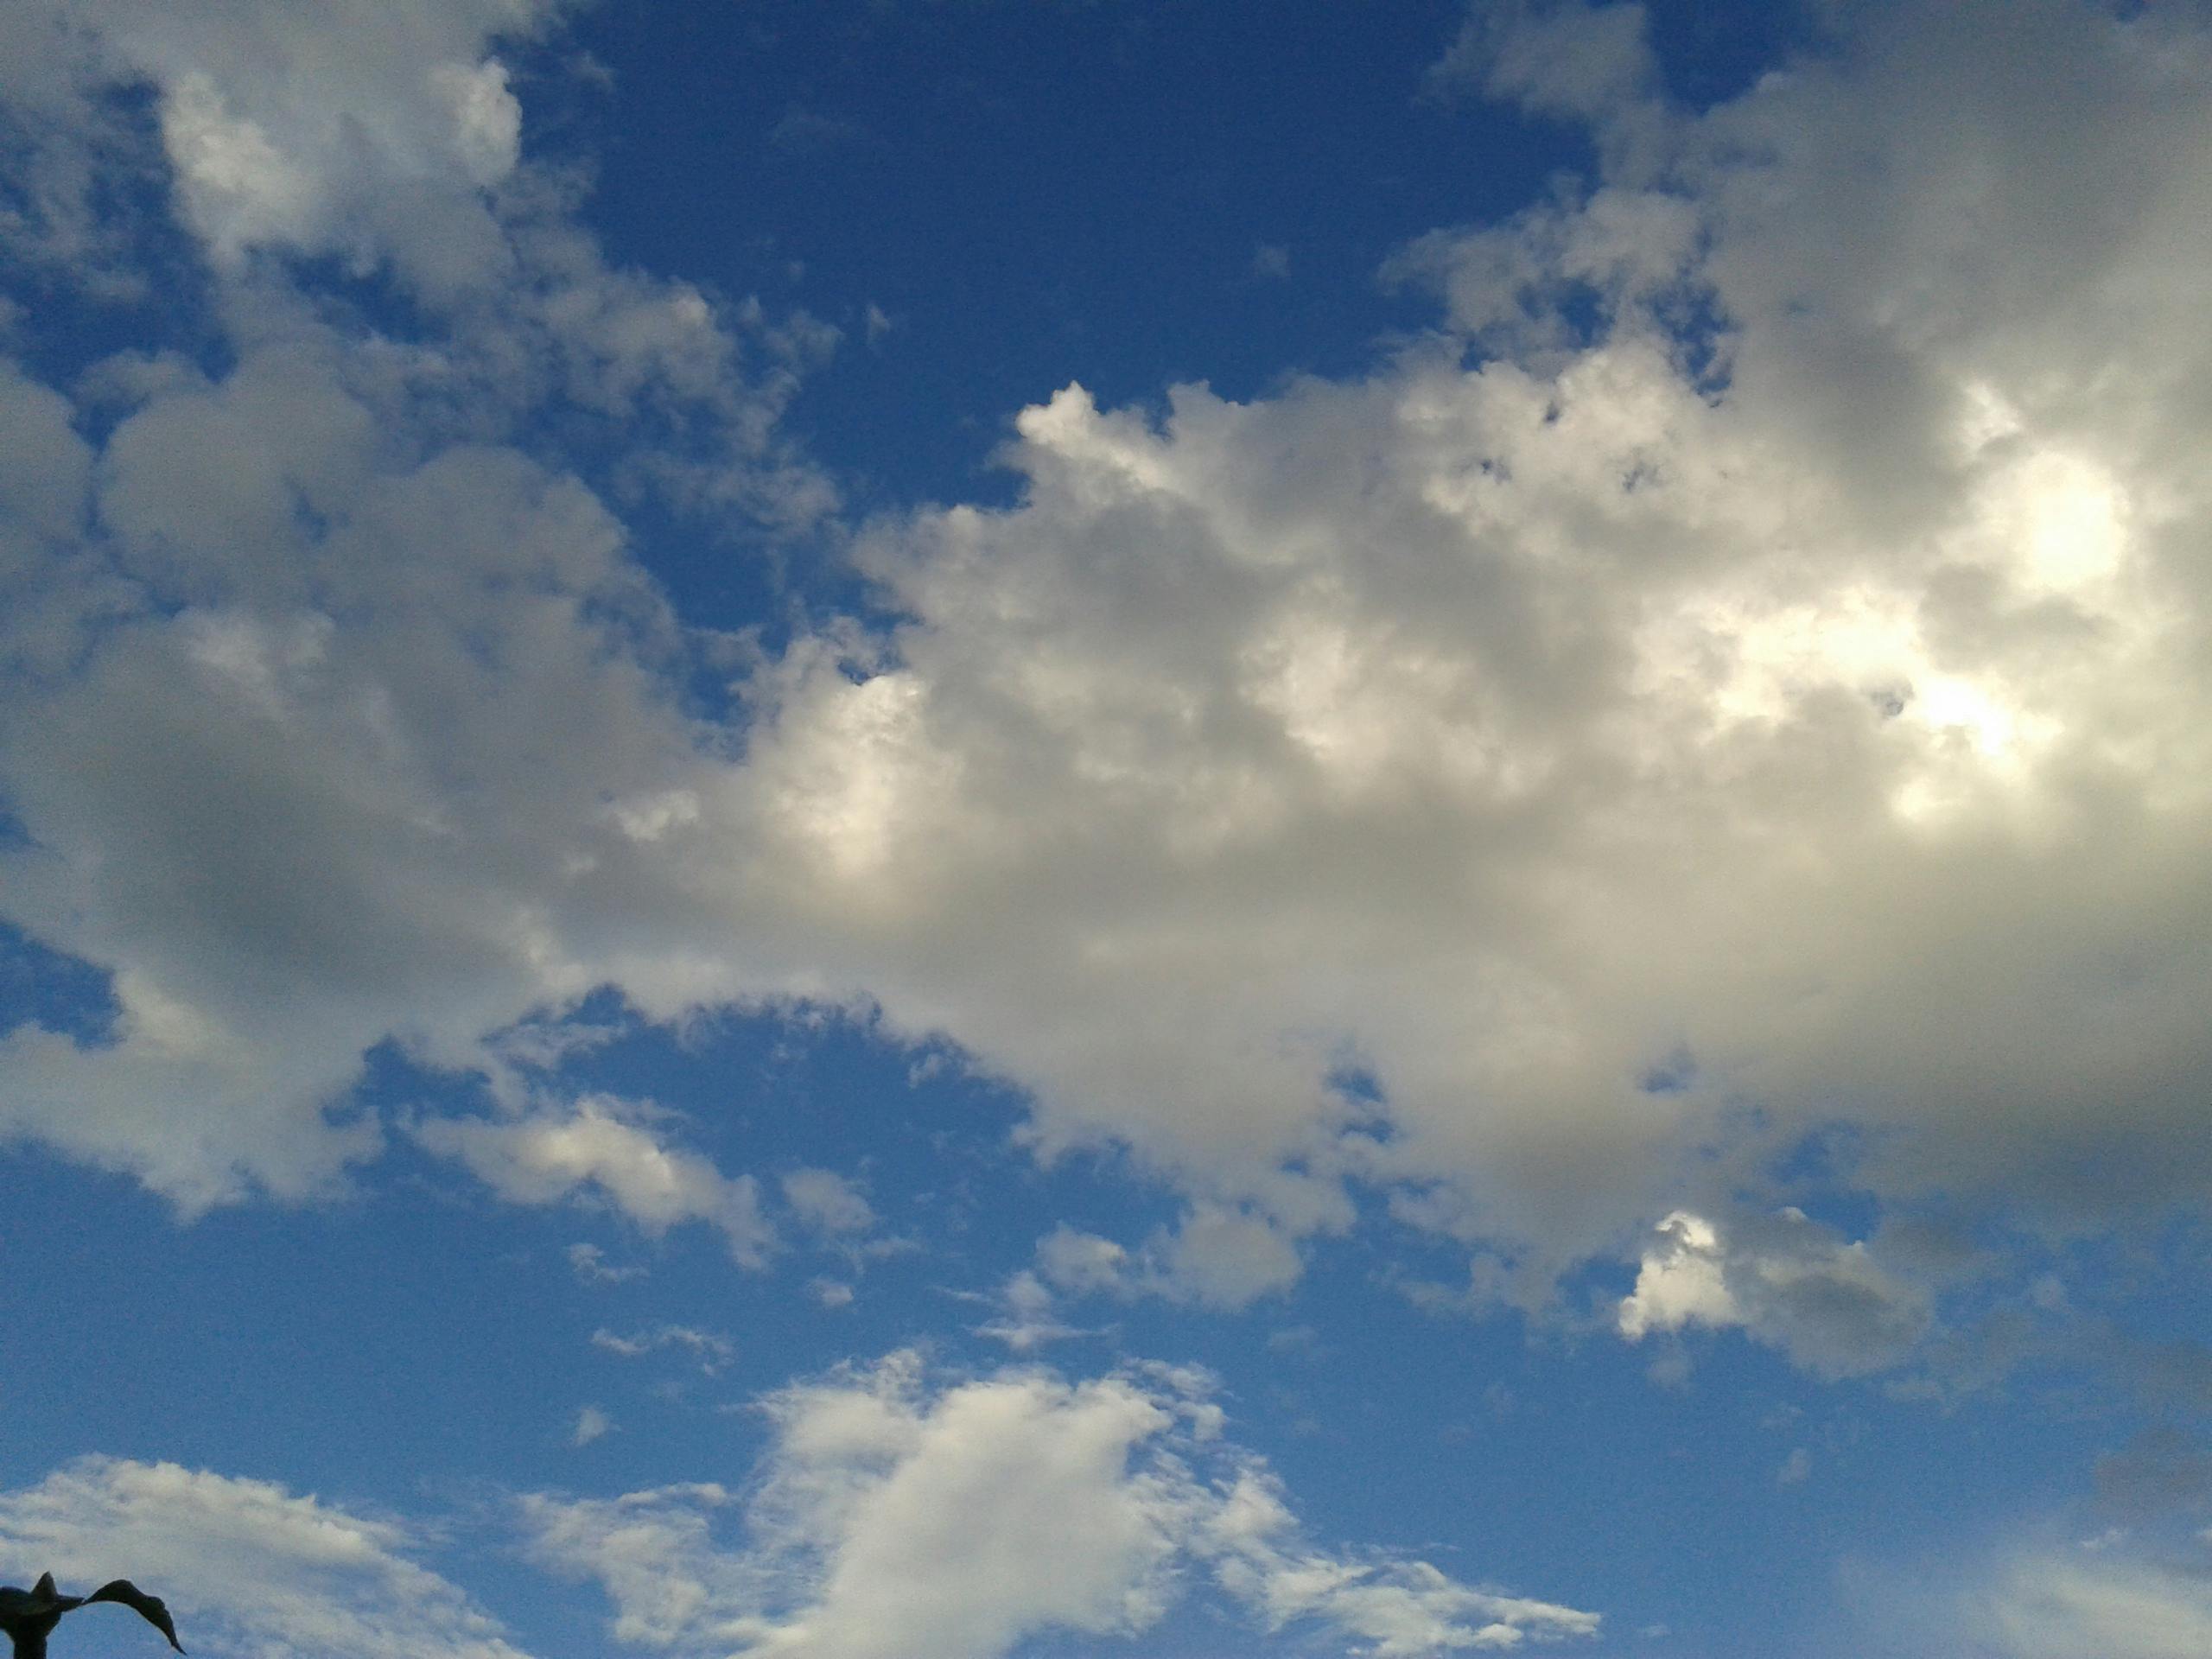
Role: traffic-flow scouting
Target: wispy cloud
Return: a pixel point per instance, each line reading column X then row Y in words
column 589, row 1263
column 592, row 1423
column 245, row 1562
column 602, row 1146
column 710, row 1348
column 950, row 1520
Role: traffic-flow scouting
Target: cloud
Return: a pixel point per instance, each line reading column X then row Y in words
column 2109, row 1597
column 254, row 815
column 1559, row 58
column 1078, row 1261
column 595, row 1148
column 944, row 1520
column 1027, row 1319
column 1391, row 1609
column 2078, row 1607
column 590, row 1266
column 2161, row 1471
column 592, row 1424
column 801, row 133
column 298, row 134
column 712, row 1350
column 1217, row 1255
column 1779, row 690
column 1789, row 1281
column 244, row 1562
column 270, row 873
column 1225, row 1257
column 827, row 1202
column 1516, row 288
column 1744, row 678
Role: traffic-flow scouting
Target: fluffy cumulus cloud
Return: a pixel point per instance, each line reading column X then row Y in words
column 256, row 638
column 276, row 142
column 897, row 1515
column 1783, row 692
column 280, row 130
column 1829, row 1305
column 1745, row 673
column 246, row 1566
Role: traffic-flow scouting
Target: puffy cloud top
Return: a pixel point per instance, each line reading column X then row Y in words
column 949, row 1521
column 1746, row 674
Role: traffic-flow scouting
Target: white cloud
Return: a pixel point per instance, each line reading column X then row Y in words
column 1515, row 729
column 1027, row 1319
column 1512, row 285
column 244, row 1564
column 710, row 1348
column 299, row 131
column 1391, row 1609
column 590, row 1266
column 1790, row 1282
column 1824, row 700
column 593, row 1147
column 893, row 1516
column 1079, row 1261
column 592, row 1424
column 2107, row 1597
column 1680, row 1282
column 827, row 1202
column 1225, row 1257
column 2081, row 1606
column 284, row 886
column 238, row 804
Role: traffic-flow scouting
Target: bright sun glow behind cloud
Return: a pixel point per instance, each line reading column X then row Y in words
column 1617, row 865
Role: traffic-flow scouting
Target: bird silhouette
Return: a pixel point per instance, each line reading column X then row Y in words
column 29, row 1616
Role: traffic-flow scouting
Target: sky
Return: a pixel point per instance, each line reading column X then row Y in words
column 1014, row 829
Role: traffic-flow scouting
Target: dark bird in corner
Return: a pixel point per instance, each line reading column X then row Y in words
column 29, row 1616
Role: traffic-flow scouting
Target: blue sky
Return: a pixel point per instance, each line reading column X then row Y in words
column 969, row 829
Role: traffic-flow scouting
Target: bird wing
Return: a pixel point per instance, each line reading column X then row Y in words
column 17, row 1605
column 152, row 1609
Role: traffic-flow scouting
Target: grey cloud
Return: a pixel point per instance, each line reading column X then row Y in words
column 2160, row 1472
column 1832, row 1306
column 1557, row 57
column 1216, row 1255
column 1815, row 710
